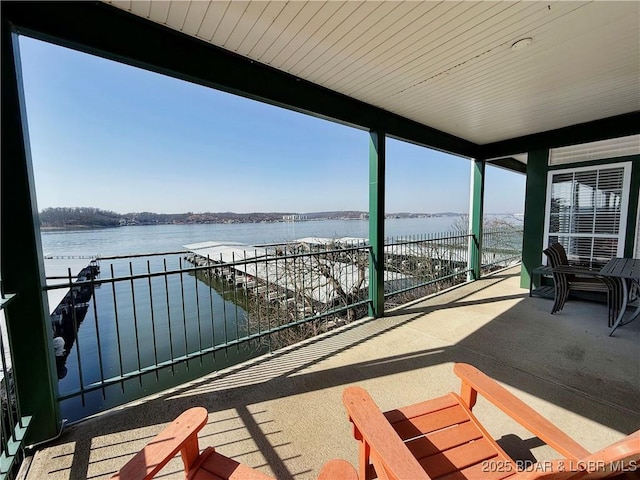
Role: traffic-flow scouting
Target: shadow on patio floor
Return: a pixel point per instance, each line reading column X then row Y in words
column 282, row 413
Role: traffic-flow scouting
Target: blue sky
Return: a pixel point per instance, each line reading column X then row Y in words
column 120, row 138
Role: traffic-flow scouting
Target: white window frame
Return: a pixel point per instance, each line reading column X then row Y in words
column 624, row 206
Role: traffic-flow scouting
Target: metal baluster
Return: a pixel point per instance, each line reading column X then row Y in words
column 74, row 319
column 135, row 323
column 10, row 412
column 278, row 312
column 258, row 315
column 184, row 313
column 213, row 325
column 195, row 279
column 166, row 289
column 95, row 319
column 115, row 310
column 235, row 301
column 304, row 291
column 224, row 310
column 286, row 294
column 153, row 322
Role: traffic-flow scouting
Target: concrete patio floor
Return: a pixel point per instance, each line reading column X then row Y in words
column 283, row 414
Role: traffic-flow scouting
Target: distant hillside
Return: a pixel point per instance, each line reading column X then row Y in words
column 78, row 217
column 88, row 217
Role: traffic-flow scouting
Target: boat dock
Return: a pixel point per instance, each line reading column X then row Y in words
column 61, row 271
column 259, row 270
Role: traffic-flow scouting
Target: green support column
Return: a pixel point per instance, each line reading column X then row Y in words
column 534, row 211
column 22, row 266
column 377, row 157
column 632, row 215
column 475, row 218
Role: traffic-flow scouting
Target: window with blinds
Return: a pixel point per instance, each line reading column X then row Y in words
column 587, row 210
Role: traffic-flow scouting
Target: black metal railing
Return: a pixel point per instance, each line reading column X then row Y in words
column 146, row 314
column 420, row 265
column 13, row 425
column 501, row 247
column 130, row 325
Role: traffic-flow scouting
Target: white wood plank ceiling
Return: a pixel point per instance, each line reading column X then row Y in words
column 448, row 65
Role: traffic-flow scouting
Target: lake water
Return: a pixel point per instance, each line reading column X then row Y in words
column 164, row 238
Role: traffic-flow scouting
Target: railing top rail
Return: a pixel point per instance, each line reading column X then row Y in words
column 141, row 255
column 448, row 236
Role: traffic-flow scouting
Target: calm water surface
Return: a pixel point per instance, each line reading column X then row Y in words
column 164, row 238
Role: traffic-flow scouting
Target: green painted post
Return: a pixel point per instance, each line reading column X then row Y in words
column 21, row 263
column 377, row 158
column 475, row 218
column 534, row 212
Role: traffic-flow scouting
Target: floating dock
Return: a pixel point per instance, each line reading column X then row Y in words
column 60, row 270
column 262, row 271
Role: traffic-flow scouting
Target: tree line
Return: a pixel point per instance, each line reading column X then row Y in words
column 66, row 217
column 74, row 217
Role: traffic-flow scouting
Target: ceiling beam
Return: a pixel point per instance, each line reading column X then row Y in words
column 509, row 163
column 101, row 29
column 604, row 129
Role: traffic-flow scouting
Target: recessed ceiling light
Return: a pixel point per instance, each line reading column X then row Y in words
column 523, row 42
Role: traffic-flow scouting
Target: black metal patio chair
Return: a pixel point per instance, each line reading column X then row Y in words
column 568, row 278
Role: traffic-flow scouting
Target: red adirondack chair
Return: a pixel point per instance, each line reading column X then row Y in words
column 182, row 436
column 442, row 439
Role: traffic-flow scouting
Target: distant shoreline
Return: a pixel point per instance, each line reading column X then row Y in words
column 236, row 221
column 75, row 227
column 83, row 218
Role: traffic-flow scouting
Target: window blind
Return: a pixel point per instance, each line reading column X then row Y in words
column 585, row 212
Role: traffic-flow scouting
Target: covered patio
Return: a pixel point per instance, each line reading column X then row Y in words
column 533, row 87
column 282, row 413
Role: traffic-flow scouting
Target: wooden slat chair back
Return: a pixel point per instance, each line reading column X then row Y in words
column 182, row 436
column 442, row 439
column 567, row 277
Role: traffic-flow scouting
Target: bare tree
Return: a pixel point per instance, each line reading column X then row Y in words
column 302, row 290
column 424, row 265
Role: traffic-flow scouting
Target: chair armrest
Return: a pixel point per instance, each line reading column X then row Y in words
column 181, row 435
column 338, row 470
column 473, row 380
column 373, row 428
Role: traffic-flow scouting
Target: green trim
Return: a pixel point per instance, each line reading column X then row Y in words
column 377, row 159
column 534, row 212
column 603, row 129
column 22, row 269
column 475, row 217
column 509, row 163
column 90, row 27
column 15, row 443
column 632, row 213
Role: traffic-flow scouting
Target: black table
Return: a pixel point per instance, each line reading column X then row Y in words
column 627, row 272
